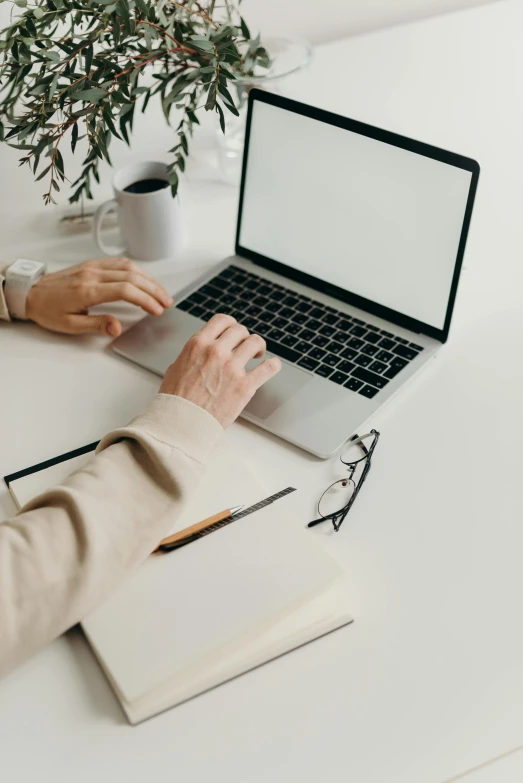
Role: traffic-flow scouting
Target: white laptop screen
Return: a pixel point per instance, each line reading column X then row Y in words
column 374, row 219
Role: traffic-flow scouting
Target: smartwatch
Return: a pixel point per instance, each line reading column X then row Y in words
column 20, row 277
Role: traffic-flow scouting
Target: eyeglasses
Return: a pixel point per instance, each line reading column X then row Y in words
column 339, row 497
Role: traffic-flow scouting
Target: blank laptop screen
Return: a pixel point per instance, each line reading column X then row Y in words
column 366, row 216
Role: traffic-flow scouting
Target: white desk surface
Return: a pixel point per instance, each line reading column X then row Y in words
column 428, row 682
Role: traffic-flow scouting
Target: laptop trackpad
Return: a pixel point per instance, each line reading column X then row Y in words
column 276, row 391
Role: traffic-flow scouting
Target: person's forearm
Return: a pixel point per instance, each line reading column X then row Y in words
column 70, row 547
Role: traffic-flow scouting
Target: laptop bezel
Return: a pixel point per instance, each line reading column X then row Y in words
column 418, row 147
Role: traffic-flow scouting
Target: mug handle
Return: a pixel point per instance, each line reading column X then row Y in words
column 101, row 212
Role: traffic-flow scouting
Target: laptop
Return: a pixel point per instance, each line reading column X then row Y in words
column 349, row 246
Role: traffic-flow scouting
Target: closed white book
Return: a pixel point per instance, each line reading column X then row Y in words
column 202, row 614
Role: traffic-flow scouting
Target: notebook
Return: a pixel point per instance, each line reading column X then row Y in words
column 192, row 619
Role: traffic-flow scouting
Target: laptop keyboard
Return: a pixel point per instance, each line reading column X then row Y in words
column 323, row 340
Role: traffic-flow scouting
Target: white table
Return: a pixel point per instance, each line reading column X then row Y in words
column 428, row 682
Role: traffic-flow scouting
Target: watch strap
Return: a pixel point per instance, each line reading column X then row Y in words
column 4, row 312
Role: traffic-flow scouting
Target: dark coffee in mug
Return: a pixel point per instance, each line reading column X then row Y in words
column 146, row 186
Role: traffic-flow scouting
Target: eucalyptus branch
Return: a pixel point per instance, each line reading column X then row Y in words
column 72, row 63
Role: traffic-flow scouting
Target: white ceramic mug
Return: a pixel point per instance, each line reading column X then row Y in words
column 150, row 223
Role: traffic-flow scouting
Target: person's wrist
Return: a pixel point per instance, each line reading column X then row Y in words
column 31, row 301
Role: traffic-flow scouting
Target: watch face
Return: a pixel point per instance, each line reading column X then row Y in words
column 27, row 267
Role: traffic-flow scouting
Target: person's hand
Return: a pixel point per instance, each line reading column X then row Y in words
column 61, row 301
column 210, row 371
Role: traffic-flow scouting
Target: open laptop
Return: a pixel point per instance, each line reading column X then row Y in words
column 349, row 246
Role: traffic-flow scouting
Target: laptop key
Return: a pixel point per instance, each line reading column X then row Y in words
column 324, row 370
column 370, row 377
column 328, row 331
column 302, row 346
column 286, row 312
column 307, row 334
column 249, row 322
column 358, row 331
column 339, row 377
column 317, row 312
column 401, row 340
column 303, row 307
column 372, row 337
column 330, row 319
column 185, row 305
column 372, row 327
column 416, row 347
column 318, row 353
column 292, row 328
column 354, row 384
column 290, row 301
column 300, row 318
column 263, row 329
column 210, row 290
column 405, row 352
column 276, row 334
column 378, row 367
column 265, row 290
column 308, row 363
column 312, row 323
column 253, row 310
column 289, row 340
column 282, row 350
column 387, row 344
column 346, row 366
column 280, row 323
column 362, row 360
column 334, row 347
column 342, row 337
column 396, row 362
column 387, row 334
column 331, row 359
column 345, row 325
column 319, row 340
column 368, row 391
column 228, row 273
column 391, row 372
column 196, row 310
column 349, row 353
column 355, row 342
column 358, row 321
column 370, row 350
column 262, row 301
column 384, row 356
column 274, row 307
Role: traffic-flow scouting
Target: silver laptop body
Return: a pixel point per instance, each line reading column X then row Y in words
column 355, row 238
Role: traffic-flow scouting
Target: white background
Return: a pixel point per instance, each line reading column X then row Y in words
column 330, row 19
column 368, row 217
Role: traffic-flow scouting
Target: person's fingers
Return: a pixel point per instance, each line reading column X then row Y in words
column 216, row 326
column 121, row 263
column 251, row 348
column 93, row 324
column 150, row 286
column 264, row 372
column 126, row 292
column 232, row 337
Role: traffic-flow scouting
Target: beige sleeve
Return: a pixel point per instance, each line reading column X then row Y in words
column 70, row 547
column 4, row 313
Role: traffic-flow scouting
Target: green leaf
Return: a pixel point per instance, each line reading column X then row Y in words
column 222, row 118
column 92, row 94
column 88, row 54
column 21, row 3
column 232, row 109
column 226, row 94
column 54, row 56
column 42, row 175
column 74, row 137
column 244, row 28
column 38, row 12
